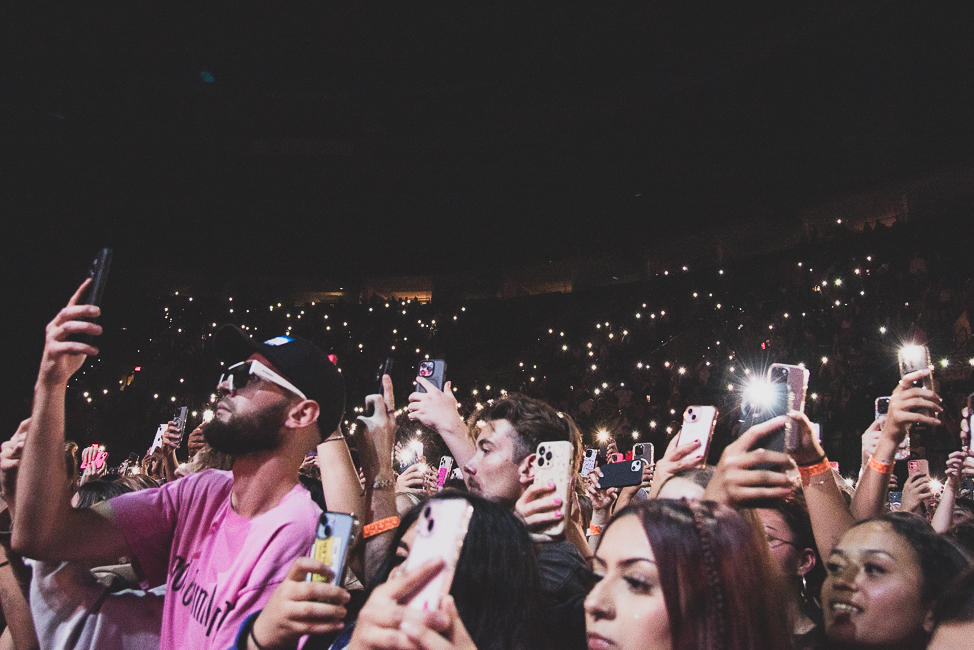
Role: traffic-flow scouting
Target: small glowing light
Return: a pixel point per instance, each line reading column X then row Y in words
column 602, row 435
column 694, row 294
column 814, row 395
column 638, row 315
column 635, row 435
column 838, row 221
column 825, row 360
column 682, row 371
column 593, row 366
column 669, row 429
column 564, row 347
column 882, row 330
column 652, row 424
column 640, row 364
column 551, row 331
column 207, row 415
column 156, row 396
column 730, row 387
column 487, row 387
column 684, row 268
column 721, row 271
column 666, row 364
column 945, row 362
column 869, row 258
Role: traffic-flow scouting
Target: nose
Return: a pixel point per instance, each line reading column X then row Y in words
column 598, row 603
column 846, row 578
column 469, row 469
column 225, row 384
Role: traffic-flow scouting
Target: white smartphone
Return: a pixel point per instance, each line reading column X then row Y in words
column 553, row 464
column 588, row 464
column 440, row 531
column 698, row 424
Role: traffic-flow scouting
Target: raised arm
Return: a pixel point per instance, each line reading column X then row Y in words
column 45, row 526
column 904, row 404
column 437, row 409
column 375, row 445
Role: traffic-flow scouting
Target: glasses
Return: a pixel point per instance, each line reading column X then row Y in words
column 239, row 374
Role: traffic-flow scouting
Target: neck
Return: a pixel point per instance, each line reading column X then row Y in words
column 261, row 480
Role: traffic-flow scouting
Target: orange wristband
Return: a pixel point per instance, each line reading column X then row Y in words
column 594, row 530
column 379, row 527
column 820, row 467
column 882, row 468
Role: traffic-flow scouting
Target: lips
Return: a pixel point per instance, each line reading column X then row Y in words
column 847, row 609
column 598, row 642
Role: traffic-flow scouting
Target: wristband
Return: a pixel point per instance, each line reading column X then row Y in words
column 594, row 530
column 819, row 467
column 379, row 527
column 882, row 468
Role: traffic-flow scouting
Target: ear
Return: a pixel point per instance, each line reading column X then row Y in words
column 806, row 562
column 928, row 622
column 525, row 470
column 302, row 414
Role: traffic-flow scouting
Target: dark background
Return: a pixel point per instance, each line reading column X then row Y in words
column 235, row 142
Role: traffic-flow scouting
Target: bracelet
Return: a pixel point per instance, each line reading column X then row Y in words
column 594, row 530
column 338, row 437
column 384, row 484
column 253, row 637
column 882, row 468
column 820, row 467
column 815, row 463
column 379, row 527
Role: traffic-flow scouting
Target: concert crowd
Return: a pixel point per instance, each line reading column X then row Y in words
column 614, row 467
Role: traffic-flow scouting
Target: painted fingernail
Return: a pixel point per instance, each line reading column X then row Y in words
column 557, row 502
column 551, row 485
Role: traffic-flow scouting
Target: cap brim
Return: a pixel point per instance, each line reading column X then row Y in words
column 231, row 344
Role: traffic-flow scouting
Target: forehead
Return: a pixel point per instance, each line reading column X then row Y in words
column 496, row 432
column 877, row 536
column 772, row 519
column 625, row 539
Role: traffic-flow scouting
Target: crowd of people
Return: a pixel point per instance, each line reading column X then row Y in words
column 735, row 546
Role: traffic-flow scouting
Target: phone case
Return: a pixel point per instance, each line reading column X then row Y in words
column 157, row 441
column 335, row 536
column 98, row 272
column 434, row 371
column 553, row 463
column 180, row 418
column 796, row 378
column 616, row 458
column 621, row 474
column 777, row 404
column 915, row 357
column 591, row 458
column 920, row 466
column 698, row 424
column 446, row 464
column 644, row 451
column 440, row 531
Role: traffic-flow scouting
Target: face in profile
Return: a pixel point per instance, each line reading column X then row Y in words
column 871, row 596
column 626, row 609
column 491, row 472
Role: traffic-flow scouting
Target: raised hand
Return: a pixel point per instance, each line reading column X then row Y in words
column 62, row 358
column 741, row 476
column 676, row 459
column 908, row 405
column 435, row 408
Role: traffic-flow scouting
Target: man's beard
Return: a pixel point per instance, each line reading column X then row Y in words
column 245, row 434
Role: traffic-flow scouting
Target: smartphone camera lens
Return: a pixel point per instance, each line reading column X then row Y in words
column 429, row 525
column 327, row 531
column 548, row 455
column 427, row 512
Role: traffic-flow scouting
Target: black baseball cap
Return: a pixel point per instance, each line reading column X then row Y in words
column 299, row 360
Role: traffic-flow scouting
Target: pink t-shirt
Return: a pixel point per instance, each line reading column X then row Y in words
column 218, row 566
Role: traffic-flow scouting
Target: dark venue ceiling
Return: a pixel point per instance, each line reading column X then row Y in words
column 340, row 139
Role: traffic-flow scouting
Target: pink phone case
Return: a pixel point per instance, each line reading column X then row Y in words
column 698, row 424
column 446, row 464
column 439, row 534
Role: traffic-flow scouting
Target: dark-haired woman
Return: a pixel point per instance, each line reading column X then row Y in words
column 677, row 575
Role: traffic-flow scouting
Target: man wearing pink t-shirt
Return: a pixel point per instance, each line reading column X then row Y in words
column 220, row 541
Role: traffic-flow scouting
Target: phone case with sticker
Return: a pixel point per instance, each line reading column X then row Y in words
column 553, row 464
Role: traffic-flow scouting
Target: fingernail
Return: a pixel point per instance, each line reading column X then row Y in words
column 557, row 502
column 551, row 485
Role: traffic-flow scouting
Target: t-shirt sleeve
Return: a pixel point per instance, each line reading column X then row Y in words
column 147, row 518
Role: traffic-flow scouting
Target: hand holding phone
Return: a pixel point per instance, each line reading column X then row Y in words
column 334, row 538
column 433, row 371
column 553, row 465
column 698, row 425
column 93, row 293
column 440, row 532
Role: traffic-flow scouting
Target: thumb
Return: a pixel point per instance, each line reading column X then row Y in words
column 447, row 387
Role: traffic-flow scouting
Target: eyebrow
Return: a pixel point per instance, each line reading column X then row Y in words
column 868, row 551
column 627, row 562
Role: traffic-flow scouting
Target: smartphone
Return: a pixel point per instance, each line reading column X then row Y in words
column 765, row 400
column 179, row 417
column 335, row 536
column 553, row 464
column 970, row 420
column 616, row 458
column 698, row 424
column 385, row 368
column 98, row 272
column 157, row 441
column 588, row 463
column 621, row 474
column 796, row 379
column 882, row 409
column 446, row 464
column 440, row 531
column 916, row 357
column 919, row 466
column 645, row 452
column 432, row 370
column 896, row 498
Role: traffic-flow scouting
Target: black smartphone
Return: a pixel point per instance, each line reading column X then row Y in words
column 98, row 272
column 179, row 417
column 432, row 370
column 385, row 368
column 624, row 474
